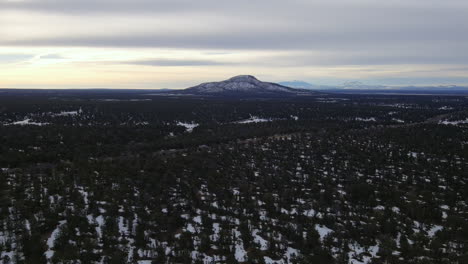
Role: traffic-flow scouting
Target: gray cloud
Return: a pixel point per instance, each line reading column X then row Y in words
column 308, row 25
column 257, row 6
column 427, row 55
column 318, row 48
column 168, row 62
column 355, row 39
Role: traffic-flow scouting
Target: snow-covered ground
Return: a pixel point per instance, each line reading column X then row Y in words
column 369, row 119
column 253, row 119
column 433, row 230
column 323, row 231
column 68, row 113
column 259, row 240
column 445, row 108
column 188, row 126
column 290, row 254
column 361, row 255
column 51, row 240
column 454, row 123
column 379, row 207
column 240, row 253
column 27, row 121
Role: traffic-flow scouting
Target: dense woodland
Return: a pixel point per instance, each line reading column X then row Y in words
column 126, row 177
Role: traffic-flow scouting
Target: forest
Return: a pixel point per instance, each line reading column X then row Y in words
column 136, row 177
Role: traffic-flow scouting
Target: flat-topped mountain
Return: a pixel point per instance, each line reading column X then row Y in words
column 243, row 85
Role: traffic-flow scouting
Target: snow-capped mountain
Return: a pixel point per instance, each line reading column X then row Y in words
column 243, row 85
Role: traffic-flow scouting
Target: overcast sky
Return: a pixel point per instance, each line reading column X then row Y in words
column 180, row 43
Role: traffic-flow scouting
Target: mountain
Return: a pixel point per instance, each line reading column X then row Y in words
column 244, row 85
column 299, row 84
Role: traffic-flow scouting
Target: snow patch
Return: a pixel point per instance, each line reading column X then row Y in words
column 27, row 121
column 453, row 123
column 370, row 119
column 323, row 231
column 188, row 126
column 68, row 113
column 51, row 240
column 436, row 228
column 259, row 240
column 254, row 119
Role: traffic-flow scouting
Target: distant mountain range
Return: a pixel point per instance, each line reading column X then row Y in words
column 346, row 85
column 359, row 87
column 299, row 84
